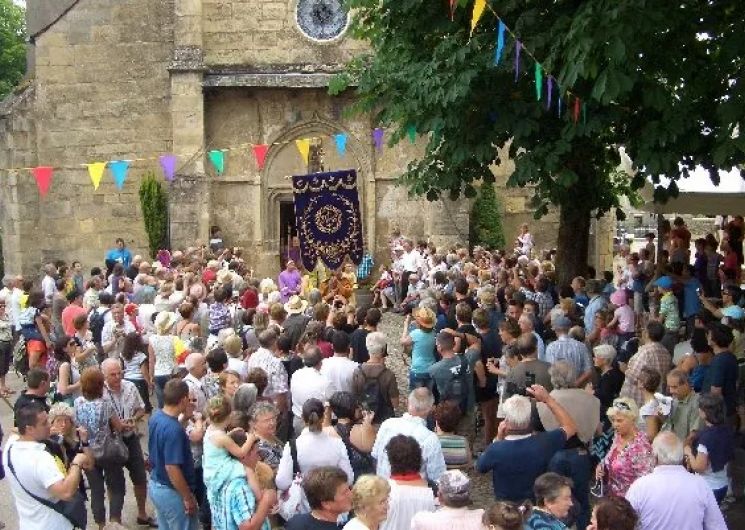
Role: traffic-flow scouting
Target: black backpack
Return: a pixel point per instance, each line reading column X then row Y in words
column 457, row 388
column 373, row 399
column 96, row 324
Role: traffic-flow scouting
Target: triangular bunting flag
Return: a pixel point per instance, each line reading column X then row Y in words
column 518, row 47
column 341, row 143
column 538, row 81
column 168, row 165
column 303, row 147
column 411, row 131
column 260, row 152
column 575, row 113
column 95, row 170
column 217, row 157
column 478, row 10
column 377, row 135
column 453, row 4
column 118, row 170
column 500, row 43
column 43, row 176
column 549, row 90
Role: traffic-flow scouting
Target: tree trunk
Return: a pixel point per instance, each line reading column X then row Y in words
column 573, row 243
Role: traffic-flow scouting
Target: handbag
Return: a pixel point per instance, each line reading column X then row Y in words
column 73, row 510
column 110, row 449
column 293, row 501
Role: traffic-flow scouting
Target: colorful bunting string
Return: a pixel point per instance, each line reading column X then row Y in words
column 538, row 81
column 411, row 131
column 377, row 135
column 95, row 170
column 217, row 157
column 168, row 165
column 303, row 147
column 341, row 144
column 478, row 11
column 500, row 43
column 43, row 176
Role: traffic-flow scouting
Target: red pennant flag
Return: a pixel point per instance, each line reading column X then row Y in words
column 575, row 113
column 260, row 152
column 43, row 176
column 452, row 9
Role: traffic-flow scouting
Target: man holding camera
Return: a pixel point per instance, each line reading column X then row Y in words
column 529, row 371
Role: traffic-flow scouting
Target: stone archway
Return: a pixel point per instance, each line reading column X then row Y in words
column 284, row 160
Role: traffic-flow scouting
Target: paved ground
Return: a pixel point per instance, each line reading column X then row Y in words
column 482, row 492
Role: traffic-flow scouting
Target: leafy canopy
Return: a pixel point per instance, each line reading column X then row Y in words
column 12, row 46
column 661, row 78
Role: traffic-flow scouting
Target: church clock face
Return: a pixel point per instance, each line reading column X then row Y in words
column 322, row 20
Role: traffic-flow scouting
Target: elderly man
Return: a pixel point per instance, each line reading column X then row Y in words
column 527, row 327
column 307, row 383
column 114, row 331
column 651, row 355
column 684, row 418
column 31, row 469
column 268, row 358
column 596, row 303
column 373, row 383
column 454, row 492
column 565, row 348
column 670, row 496
column 414, row 424
column 48, row 282
column 236, row 506
column 519, row 455
column 125, row 400
column 196, row 364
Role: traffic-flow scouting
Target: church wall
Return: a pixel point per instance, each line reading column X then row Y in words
column 102, row 89
column 263, row 32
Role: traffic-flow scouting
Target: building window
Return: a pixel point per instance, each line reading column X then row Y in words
column 322, row 20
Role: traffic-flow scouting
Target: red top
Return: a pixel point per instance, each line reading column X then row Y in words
column 250, row 299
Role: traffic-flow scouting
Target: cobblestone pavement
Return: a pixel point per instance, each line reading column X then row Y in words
column 391, row 325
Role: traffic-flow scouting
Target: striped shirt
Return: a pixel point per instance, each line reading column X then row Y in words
column 455, row 450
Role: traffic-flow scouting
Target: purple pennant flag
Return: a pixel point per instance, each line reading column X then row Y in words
column 518, row 46
column 378, row 138
column 168, row 164
column 549, row 86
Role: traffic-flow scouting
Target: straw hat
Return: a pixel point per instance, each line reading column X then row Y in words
column 165, row 321
column 224, row 276
column 296, row 305
column 425, row 318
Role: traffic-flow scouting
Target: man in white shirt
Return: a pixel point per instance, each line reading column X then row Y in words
column 114, row 331
column 35, row 471
column 48, row 282
column 196, row 363
column 414, row 424
column 14, row 303
column 308, row 383
column 340, row 369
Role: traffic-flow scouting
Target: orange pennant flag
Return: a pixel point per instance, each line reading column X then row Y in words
column 43, row 176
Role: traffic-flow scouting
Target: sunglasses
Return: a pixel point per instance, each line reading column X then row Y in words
column 620, row 405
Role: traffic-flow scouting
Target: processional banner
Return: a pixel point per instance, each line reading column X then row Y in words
column 327, row 216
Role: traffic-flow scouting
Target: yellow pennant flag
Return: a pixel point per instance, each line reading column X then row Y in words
column 303, row 146
column 95, row 170
column 478, row 10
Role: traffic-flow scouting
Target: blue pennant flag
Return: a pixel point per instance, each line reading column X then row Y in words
column 118, row 170
column 500, row 43
column 341, row 143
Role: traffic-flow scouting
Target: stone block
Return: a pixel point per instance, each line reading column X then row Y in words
column 514, row 205
column 274, row 11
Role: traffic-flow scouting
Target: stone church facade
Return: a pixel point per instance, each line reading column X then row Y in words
column 133, row 79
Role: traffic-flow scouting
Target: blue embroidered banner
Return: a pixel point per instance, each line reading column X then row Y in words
column 327, row 215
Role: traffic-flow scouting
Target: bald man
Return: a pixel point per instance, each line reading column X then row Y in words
column 196, row 364
column 126, row 402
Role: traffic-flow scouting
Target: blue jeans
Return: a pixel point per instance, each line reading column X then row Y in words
column 160, row 384
column 169, row 507
column 419, row 380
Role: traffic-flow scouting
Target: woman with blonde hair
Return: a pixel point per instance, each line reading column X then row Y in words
column 162, row 353
column 369, row 502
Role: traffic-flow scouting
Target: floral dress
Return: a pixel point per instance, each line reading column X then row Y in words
column 624, row 465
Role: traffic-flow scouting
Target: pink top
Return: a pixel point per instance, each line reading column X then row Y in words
column 624, row 465
column 625, row 316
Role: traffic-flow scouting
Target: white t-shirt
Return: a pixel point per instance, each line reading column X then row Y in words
column 239, row 365
column 339, row 370
column 410, row 261
column 37, row 470
column 308, row 383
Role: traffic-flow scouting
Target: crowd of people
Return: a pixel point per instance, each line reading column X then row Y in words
column 271, row 403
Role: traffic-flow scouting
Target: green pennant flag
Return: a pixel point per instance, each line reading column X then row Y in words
column 538, row 81
column 411, row 131
column 217, row 157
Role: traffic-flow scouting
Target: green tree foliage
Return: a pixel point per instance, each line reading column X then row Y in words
column 486, row 219
column 662, row 78
column 154, row 204
column 12, row 46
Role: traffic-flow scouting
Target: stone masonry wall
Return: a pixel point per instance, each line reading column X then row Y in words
column 101, row 93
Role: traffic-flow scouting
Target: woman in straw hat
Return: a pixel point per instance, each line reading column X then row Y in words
column 162, row 354
column 419, row 342
column 630, row 456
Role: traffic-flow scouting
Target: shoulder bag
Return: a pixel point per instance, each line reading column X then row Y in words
column 73, row 510
column 293, row 501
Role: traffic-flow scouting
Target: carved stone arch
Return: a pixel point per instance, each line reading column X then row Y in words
column 283, row 160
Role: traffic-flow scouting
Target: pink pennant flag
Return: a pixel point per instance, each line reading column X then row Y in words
column 378, row 138
column 168, row 165
column 260, row 152
column 43, row 176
